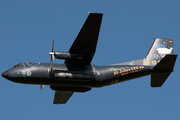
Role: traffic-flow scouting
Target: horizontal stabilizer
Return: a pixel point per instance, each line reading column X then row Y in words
column 157, row 80
column 167, row 63
column 162, row 70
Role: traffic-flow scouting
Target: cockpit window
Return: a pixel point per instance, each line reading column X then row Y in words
column 17, row 66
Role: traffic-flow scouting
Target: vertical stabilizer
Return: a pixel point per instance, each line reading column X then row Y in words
column 160, row 48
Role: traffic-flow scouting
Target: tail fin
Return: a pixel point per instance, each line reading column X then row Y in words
column 160, row 48
column 162, row 58
column 162, row 70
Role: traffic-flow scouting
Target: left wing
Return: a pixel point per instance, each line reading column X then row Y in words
column 86, row 41
column 61, row 97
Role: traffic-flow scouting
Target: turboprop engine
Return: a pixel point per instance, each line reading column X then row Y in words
column 66, row 55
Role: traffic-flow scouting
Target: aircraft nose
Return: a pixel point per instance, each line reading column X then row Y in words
column 5, row 74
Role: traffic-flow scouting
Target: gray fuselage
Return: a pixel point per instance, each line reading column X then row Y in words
column 75, row 75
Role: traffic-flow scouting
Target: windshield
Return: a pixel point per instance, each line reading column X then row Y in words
column 18, row 65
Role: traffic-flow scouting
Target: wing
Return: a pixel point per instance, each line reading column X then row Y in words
column 86, row 41
column 61, row 97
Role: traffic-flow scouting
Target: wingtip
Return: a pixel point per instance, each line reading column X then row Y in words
column 94, row 13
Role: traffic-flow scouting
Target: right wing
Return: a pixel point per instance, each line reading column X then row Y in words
column 86, row 41
column 61, row 97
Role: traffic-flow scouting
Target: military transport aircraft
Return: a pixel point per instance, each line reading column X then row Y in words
column 78, row 74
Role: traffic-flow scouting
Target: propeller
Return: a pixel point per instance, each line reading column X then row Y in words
column 52, row 55
column 52, row 58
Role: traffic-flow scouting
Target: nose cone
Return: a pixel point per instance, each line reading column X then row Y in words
column 5, row 74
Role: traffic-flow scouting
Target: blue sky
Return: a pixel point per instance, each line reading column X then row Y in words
column 27, row 29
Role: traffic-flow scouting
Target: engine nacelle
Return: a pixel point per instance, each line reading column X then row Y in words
column 74, row 76
column 67, row 55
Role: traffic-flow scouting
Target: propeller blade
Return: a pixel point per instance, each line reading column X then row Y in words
column 51, row 63
column 52, row 55
column 52, row 46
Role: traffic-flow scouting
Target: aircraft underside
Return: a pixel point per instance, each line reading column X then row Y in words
column 77, row 74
